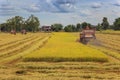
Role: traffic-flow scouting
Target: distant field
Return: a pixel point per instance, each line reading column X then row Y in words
column 110, row 32
column 64, row 47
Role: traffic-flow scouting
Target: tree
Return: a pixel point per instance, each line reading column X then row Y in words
column 32, row 23
column 70, row 28
column 111, row 26
column 88, row 24
column 57, row 27
column 78, row 27
column 15, row 23
column 117, row 24
column 99, row 27
column 0, row 27
column 105, row 23
column 18, row 22
column 84, row 24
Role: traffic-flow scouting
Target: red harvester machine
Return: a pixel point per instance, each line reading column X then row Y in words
column 87, row 34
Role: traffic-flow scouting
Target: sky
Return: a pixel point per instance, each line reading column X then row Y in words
column 61, row 11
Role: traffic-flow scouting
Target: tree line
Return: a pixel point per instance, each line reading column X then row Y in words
column 19, row 23
column 70, row 28
column 78, row 27
column 105, row 24
column 32, row 24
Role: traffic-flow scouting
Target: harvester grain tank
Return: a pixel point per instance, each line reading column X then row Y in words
column 87, row 34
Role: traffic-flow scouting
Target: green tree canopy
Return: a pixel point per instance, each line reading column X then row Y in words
column 105, row 23
column 32, row 23
column 78, row 27
column 70, row 28
column 57, row 27
column 18, row 23
column 15, row 23
column 84, row 24
column 117, row 24
column 99, row 27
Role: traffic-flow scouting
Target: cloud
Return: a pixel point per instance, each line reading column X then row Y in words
column 7, row 9
column 117, row 3
column 65, row 1
column 32, row 8
column 85, row 12
column 65, row 5
column 57, row 6
column 79, row 10
column 96, row 5
column 116, row 12
column 41, row 6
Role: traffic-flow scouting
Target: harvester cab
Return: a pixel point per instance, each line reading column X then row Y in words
column 87, row 34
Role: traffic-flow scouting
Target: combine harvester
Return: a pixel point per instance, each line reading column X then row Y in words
column 87, row 35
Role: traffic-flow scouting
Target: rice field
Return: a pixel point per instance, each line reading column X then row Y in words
column 108, row 43
column 58, row 56
column 15, row 46
column 64, row 47
column 61, row 71
column 110, row 32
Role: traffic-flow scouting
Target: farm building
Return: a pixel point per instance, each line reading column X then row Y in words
column 46, row 28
